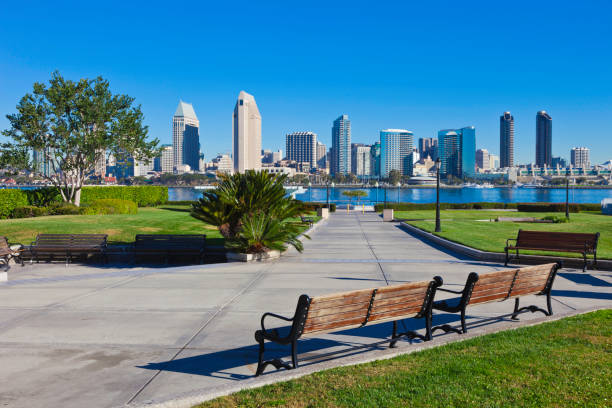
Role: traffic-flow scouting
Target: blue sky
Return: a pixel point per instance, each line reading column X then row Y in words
column 422, row 67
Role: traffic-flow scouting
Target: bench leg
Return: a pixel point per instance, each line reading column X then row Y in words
column 584, row 267
column 294, row 357
column 428, row 331
column 594, row 266
column 463, row 327
column 277, row 363
column 395, row 336
column 531, row 308
column 507, row 257
column 516, row 309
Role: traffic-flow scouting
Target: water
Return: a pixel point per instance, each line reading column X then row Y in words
column 428, row 195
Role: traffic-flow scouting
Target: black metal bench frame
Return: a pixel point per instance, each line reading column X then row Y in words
column 466, row 294
column 587, row 250
column 144, row 245
column 301, row 315
column 307, row 220
column 37, row 249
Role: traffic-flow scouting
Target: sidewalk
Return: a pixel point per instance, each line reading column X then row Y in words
column 109, row 336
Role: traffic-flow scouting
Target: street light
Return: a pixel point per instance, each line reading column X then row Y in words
column 328, row 194
column 438, row 165
column 376, row 185
column 398, row 184
column 309, row 191
column 567, row 196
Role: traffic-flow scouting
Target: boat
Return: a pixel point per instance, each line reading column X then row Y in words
column 532, row 185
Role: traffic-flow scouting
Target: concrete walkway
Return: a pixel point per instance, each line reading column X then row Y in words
column 89, row 336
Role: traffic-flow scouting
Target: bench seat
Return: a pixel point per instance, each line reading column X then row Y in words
column 68, row 245
column 167, row 245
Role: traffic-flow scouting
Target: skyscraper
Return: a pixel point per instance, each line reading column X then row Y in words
column 341, row 145
column 375, row 159
column 428, row 146
column 185, row 138
column 457, row 150
column 483, row 159
column 302, row 147
column 543, row 139
column 321, row 155
column 246, row 134
column 360, row 157
column 506, row 140
column 395, row 151
column 164, row 163
column 580, row 157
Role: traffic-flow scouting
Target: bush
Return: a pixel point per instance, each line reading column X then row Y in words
column 64, row 209
column 29, row 211
column 43, row 197
column 10, row 199
column 143, row 196
column 556, row 219
column 183, row 202
column 547, row 207
column 309, row 206
column 109, row 206
column 443, row 206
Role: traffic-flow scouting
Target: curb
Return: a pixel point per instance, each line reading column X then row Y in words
column 496, row 256
column 189, row 399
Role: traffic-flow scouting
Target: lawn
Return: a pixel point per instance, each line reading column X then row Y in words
column 120, row 228
column 565, row 363
column 462, row 226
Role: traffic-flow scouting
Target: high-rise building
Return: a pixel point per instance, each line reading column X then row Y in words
column 457, row 150
column 543, row 139
column 321, row 155
column 360, row 157
column 428, row 146
column 341, row 146
column 506, row 140
column 302, row 148
column 483, row 159
column 246, row 134
column 164, row 163
column 223, row 164
column 395, row 151
column 185, row 137
column 43, row 161
column 375, row 160
column 494, row 161
column 558, row 162
column 580, row 157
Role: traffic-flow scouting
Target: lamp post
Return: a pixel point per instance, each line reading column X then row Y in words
column 438, row 164
column 309, row 191
column 376, row 185
column 567, row 197
column 385, row 191
column 398, row 190
column 327, row 194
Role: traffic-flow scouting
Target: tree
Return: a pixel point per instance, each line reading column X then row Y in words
column 354, row 194
column 72, row 126
column 394, row 177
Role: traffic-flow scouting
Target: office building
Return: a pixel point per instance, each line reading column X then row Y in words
column 223, row 163
column 395, row 151
column 428, row 146
column 483, row 159
column 360, row 157
column 43, row 161
column 341, row 146
column 580, row 157
column 457, row 150
column 559, row 162
column 506, row 140
column 543, row 139
column 185, row 137
column 246, row 134
column 302, row 148
column 494, row 161
column 164, row 163
column 321, row 156
column 375, row 159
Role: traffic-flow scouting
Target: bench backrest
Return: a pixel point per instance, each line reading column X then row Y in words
column 71, row 240
column 403, row 301
column 189, row 241
column 353, row 309
column 496, row 286
column 557, row 240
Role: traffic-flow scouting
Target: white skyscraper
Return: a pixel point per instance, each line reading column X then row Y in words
column 246, row 134
column 580, row 157
column 185, row 137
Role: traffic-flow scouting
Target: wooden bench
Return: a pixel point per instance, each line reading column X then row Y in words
column 349, row 310
column 170, row 244
column 307, row 220
column 6, row 253
column 555, row 241
column 497, row 287
column 68, row 245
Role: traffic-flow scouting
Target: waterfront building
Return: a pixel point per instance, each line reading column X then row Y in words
column 457, row 150
column 270, row 157
column 185, row 137
column 506, row 140
column 341, row 146
column 302, row 148
column 543, row 139
column 360, row 156
column 494, row 162
column 483, row 159
column 580, row 157
column 223, row 163
column 559, row 162
column 321, row 156
column 246, row 134
column 428, row 146
column 395, row 151
column 164, row 163
column 375, row 159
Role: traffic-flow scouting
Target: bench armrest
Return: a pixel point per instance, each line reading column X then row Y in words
column 457, row 292
column 273, row 315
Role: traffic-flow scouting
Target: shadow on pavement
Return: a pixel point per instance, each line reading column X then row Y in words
column 585, row 279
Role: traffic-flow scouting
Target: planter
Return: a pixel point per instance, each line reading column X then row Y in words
column 388, row 214
column 323, row 212
column 240, row 257
column 3, row 276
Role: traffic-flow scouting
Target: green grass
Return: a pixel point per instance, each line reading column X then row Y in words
column 167, row 219
column 566, row 363
column 462, row 226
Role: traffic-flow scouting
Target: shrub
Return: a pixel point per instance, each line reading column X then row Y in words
column 556, row 219
column 10, row 199
column 183, row 202
column 547, row 207
column 110, row 206
column 309, row 206
column 43, row 197
column 143, row 196
column 29, row 211
column 64, row 209
column 444, row 206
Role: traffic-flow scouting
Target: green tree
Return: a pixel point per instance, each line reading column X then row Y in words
column 395, row 177
column 73, row 125
column 354, row 194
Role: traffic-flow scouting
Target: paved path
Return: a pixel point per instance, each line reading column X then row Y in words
column 88, row 336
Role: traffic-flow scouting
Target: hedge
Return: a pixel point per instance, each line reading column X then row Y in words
column 444, row 206
column 143, row 196
column 110, row 206
column 310, row 206
column 10, row 199
column 557, row 207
